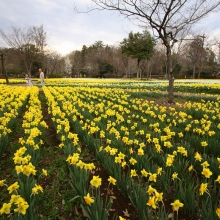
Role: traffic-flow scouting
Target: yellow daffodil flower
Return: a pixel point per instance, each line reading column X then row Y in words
column 176, row 205
column 153, row 177
column 151, row 202
column 133, row 173
column 203, row 188
column 96, row 181
column 13, row 187
column 218, row 179
column 205, row 164
column 151, row 190
column 2, row 182
column 204, row 144
column 14, row 198
column 198, row 156
column 88, row 200
column 112, row 180
column 133, row 161
column 22, row 206
column 218, row 212
column 5, row 208
column 206, row 172
column 175, row 176
column 190, row 168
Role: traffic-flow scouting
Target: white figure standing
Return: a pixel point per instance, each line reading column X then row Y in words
column 26, row 78
column 29, row 81
column 41, row 77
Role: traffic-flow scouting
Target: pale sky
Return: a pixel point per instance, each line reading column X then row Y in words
column 68, row 30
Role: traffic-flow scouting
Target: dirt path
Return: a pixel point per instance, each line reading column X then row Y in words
column 34, row 83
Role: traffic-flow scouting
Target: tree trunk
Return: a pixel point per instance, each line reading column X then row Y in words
column 126, row 73
column 6, row 75
column 149, row 70
column 3, row 68
column 129, row 68
column 29, row 73
column 194, row 71
column 201, row 58
column 150, row 73
column 138, row 68
column 170, row 75
column 27, row 68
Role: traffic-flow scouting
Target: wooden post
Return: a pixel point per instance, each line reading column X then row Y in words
column 201, row 57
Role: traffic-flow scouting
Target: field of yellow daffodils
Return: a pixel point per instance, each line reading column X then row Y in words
column 164, row 159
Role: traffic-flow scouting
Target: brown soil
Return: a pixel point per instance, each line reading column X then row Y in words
column 121, row 205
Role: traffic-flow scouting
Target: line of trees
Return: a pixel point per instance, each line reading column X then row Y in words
column 138, row 56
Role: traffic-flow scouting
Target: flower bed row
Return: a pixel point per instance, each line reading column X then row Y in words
column 92, row 203
column 23, row 193
column 202, row 86
column 12, row 100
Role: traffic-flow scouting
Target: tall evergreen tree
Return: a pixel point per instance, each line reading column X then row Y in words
column 139, row 46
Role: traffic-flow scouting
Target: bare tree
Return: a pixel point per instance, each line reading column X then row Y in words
column 167, row 18
column 52, row 60
column 28, row 42
column 77, row 61
column 119, row 61
column 193, row 51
